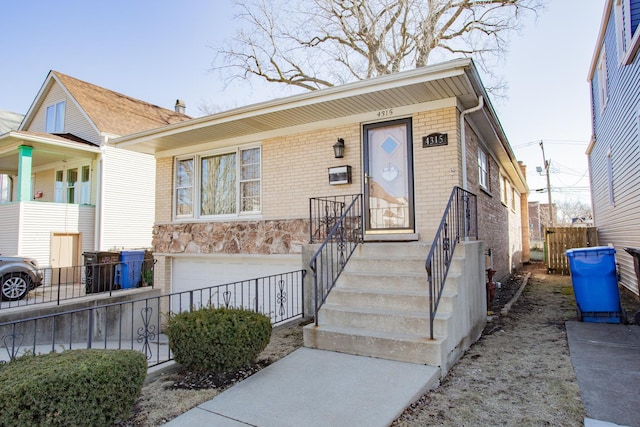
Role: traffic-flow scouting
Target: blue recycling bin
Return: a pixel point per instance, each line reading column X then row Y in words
column 129, row 273
column 595, row 284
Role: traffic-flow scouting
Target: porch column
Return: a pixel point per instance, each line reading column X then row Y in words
column 24, row 173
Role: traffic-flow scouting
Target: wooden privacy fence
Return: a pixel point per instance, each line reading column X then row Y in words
column 559, row 239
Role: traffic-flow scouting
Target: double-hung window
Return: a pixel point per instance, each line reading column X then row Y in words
column 483, row 169
column 55, row 118
column 603, row 81
column 225, row 183
column 627, row 21
column 73, row 185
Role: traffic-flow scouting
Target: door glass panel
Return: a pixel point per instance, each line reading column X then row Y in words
column 388, row 184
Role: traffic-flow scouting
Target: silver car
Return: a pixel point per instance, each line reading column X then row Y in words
column 18, row 275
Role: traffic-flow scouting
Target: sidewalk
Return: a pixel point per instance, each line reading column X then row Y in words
column 317, row 388
column 606, row 361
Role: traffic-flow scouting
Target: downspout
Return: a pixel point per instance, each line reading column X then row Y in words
column 99, row 202
column 463, row 139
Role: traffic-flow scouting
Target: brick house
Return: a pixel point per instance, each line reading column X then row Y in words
column 233, row 188
column 285, row 147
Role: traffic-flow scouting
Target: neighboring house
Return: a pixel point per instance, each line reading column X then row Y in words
column 539, row 219
column 70, row 192
column 614, row 152
column 233, row 188
column 8, row 121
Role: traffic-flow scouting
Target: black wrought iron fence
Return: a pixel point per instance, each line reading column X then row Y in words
column 55, row 285
column 336, row 249
column 459, row 221
column 138, row 324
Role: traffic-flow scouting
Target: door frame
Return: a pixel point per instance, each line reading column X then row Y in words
column 72, row 272
column 402, row 233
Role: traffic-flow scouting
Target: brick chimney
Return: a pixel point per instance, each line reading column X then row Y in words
column 180, row 106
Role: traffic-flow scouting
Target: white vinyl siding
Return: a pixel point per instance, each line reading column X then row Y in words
column 76, row 121
column 37, row 222
column 9, row 228
column 614, row 159
column 129, row 199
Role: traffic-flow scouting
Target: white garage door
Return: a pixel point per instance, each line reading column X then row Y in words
column 203, row 272
column 279, row 297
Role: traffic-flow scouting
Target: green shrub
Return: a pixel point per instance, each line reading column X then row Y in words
column 217, row 339
column 75, row 387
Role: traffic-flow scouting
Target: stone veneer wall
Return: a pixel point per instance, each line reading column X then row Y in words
column 232, row 237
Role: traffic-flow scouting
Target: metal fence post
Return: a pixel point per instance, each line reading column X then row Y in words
column 257, row 307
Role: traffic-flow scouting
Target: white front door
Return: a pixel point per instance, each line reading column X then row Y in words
column 388, row 177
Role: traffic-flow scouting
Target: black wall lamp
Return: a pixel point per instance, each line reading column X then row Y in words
column 338, row 148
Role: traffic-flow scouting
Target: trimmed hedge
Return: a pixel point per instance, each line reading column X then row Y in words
column 217, row 340
column 75, row 387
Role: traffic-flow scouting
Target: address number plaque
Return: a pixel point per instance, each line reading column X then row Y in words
column 434, row 140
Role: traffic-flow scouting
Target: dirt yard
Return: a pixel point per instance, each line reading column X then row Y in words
column 518, row 373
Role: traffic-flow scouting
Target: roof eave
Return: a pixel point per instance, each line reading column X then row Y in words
column 22, row 136
column 456, row 67
column 599, row 41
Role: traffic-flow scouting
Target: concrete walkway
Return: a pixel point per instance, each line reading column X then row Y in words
column 606, row 361
column 317, row 388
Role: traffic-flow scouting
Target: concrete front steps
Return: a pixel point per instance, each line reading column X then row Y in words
column 380, row 307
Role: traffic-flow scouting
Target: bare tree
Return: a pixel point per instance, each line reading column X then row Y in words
column 569, row 210
column 313, row 44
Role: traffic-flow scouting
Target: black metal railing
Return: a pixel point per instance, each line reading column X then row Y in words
column 64, row 283
column 339, row 243
column 324, row 212
column 138, row 324
column 459, row 221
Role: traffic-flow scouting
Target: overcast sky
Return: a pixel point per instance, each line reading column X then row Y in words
column 159, row 51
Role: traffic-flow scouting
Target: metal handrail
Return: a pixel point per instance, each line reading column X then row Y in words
column 336, row 249
column 460, row 220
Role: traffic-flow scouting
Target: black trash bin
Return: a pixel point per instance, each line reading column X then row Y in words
column 99, row 271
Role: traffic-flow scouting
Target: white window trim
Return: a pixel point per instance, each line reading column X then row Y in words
column 55, row 116
column 483, row 172
column 627, row 43
column 78, row 187
column 634, row 46
column 610, row 177
column 504, row 190
column 195, row 189
column 603, row 80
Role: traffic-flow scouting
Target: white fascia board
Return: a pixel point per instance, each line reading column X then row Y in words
column 53, row 142
column 369, row 117
column 603, row 28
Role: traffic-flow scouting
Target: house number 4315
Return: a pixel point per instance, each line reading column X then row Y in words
column 385, row 113
column 434, row 140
